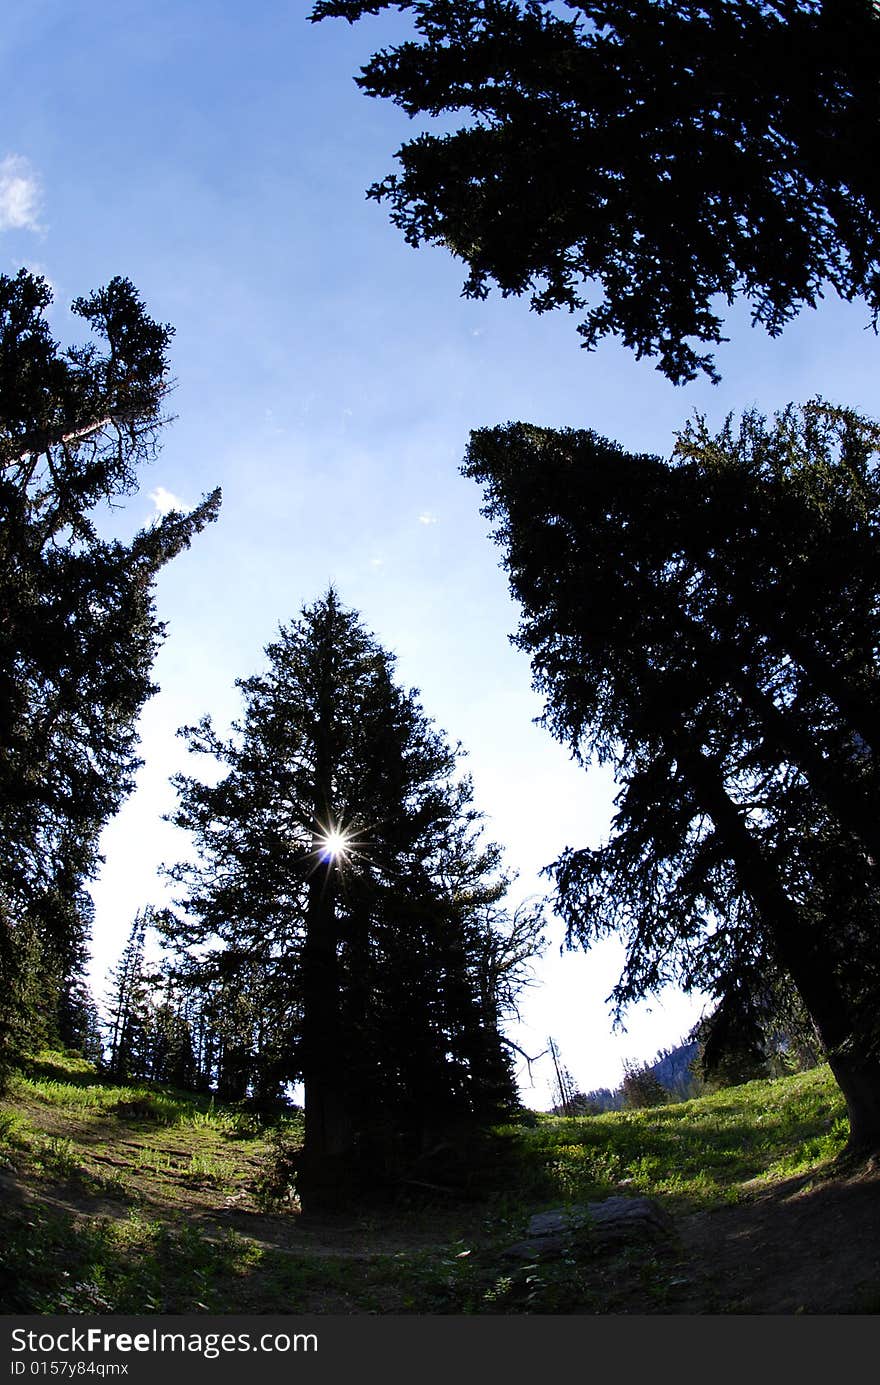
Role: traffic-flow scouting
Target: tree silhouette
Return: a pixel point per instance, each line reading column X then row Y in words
column 130, row 1006
column 638, row 161
column 709, row 627
column 340, row 854
column 78, row 633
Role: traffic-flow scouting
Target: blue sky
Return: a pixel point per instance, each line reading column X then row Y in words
column 327, row 377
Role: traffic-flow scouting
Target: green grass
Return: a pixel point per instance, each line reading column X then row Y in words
column 123, row 1213
column 693, row 1154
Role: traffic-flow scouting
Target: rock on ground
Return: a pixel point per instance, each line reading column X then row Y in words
column 612, row 1220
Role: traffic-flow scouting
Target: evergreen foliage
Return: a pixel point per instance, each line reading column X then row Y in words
column 758, row 1029
column 641, row 1087
column 371, row 965
column 79, row 634
column 709, row 626
column 637, row 161
column 130, row 1007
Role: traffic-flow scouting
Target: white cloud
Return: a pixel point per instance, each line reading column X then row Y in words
column 20, row 195
column 426, row 517
column 165, row 501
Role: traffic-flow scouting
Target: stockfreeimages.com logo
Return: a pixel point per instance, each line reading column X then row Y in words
column 207, row 1344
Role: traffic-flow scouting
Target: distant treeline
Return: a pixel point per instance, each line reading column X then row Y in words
column 714, row 1056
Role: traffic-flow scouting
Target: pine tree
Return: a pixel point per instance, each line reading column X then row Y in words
column 130, row 1006
column 340, row 855
column 709, row 626
column 172, row 1058
column 641, row 1087
column 79, row 633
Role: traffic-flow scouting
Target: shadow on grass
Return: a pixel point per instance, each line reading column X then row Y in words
column 57, row 1068
column 693, row 1154
column 54, row 1263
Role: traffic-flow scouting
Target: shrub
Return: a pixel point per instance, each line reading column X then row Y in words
column 641, row 1087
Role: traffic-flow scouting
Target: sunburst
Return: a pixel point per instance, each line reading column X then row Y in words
column 337, row 844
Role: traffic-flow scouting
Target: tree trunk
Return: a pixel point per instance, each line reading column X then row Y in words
column 325, row 1167
column 803, row 954
column 842, row 788
column 850, row 1053
column 859, row 1080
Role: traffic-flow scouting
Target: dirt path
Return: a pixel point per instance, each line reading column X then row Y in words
column 806, row 1246
column 345, row 1238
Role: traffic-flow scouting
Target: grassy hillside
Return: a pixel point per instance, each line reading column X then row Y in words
column 119, row 1199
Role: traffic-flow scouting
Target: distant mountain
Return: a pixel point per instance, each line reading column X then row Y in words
column 674, row 1070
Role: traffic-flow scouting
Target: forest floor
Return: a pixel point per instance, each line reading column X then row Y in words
column 806, row 1245
column 115, row 1200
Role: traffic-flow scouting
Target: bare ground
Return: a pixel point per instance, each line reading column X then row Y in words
column 808, row 1245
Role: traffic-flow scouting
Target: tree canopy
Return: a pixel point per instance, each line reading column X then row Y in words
column 709, row 626
column 339, row 858
column 640, row 162
column 79, row 632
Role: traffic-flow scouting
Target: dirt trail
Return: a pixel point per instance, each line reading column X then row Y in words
column 805, row 1246
column 346, row 1238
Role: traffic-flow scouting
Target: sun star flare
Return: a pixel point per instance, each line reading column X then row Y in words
column 335, row 844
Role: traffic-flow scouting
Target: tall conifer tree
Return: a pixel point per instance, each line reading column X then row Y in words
column 78, row 633
column 709, row 626
column 340, row 852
